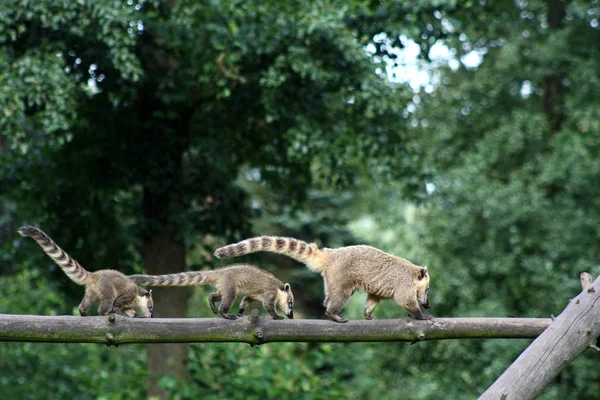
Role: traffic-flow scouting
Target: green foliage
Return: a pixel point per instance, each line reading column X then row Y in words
column 43, row 60
column 284, row 370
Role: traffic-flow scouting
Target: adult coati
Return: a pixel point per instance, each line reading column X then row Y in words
column 115, row 291
column 346, row 269
column 237, row 280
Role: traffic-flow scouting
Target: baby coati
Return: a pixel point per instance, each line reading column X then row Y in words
column 346, row 269
column 115, row 291
column 237, row 280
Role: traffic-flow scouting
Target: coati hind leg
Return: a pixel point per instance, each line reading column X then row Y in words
column 335, row 301
column 243, row 305
column 227, row 300
column 269, row 304
column 212, row 298
column 85, row 304
column 372, row 302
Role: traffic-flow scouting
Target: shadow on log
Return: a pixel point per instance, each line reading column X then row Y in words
column 115, row 330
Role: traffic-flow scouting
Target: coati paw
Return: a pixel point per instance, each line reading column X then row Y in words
column 338, row 318
column 424, row 317
column 277, row 316
column 228, row 316
column 370, row 318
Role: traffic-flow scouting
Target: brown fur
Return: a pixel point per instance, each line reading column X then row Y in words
column 237, row 280
column 346, row 269
column 113, row 289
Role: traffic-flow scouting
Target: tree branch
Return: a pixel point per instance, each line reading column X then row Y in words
column 115, row 330
column 573, row 331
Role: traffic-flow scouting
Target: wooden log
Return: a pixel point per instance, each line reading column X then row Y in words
column 115, row 330
column 573, row 331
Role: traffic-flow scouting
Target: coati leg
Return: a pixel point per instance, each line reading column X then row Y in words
column 227, row 300
column 335, row 302
column 123, row 303
column 326, row 300
column 372, row 302
column 85, row 304
column 107, row 305
column 243, row 305
column 413, row 307
column 130, row 312
column 214, row 296
column 269, row 304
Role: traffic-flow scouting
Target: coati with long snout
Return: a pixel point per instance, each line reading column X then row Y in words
column 237, row 280
column 346, row 269
column 115, row 291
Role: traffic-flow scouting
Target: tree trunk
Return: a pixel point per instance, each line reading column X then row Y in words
column 552, row 87
column 163, row 255
column 573, row 331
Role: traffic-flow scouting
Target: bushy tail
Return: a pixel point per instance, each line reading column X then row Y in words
column 301, row 251
column 71, row 267
column 181, row 279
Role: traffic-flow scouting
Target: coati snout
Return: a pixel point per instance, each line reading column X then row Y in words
column 146, row 304
column 286, row 301
column 423, row 287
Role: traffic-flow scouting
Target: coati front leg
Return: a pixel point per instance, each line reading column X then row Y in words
column 372, row 302
column 335, row 301
column 107, row 305
column 212, row 298
column 243, row 305
column 130, row 312
column 228, row 297
column 269, row 304
column 413, row 307
column 122, row 304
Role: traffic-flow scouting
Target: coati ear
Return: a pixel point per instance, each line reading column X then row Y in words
column 422, row 273
column 149, row 293
column 286, row 287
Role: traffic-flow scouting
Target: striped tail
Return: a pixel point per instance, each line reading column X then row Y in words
column 181, row 279
column 71, row 267
column 299, row 250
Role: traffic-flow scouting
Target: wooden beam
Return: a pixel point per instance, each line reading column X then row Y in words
column 573, row 331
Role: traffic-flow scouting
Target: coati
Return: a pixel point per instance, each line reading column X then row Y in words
column 346, row 269
column 237, row 280
column 115, row 291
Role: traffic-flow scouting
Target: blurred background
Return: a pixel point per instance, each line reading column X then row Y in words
column 142, row 135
